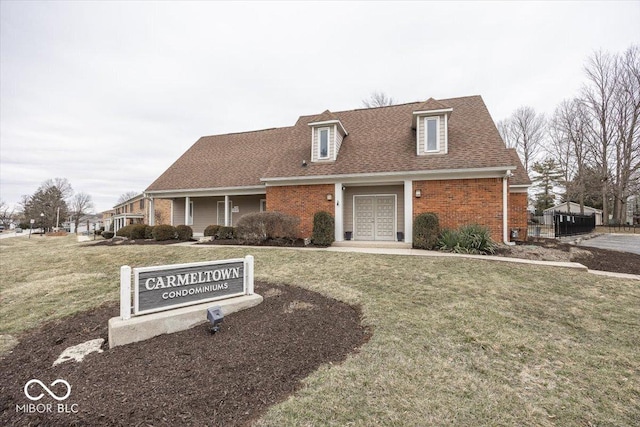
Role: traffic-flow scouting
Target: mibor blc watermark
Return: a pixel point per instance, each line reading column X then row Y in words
column 35, row 390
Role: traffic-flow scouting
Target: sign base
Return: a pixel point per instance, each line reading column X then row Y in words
column 140, row 328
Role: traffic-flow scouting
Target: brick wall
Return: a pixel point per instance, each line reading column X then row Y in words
column 462, row 201
column 162, row 209
column 302, row 201
column 518, row 213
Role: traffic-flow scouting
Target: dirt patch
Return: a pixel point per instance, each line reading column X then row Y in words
column 592, row 258
column 188, row 378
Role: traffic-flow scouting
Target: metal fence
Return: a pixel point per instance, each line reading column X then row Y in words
column 570, row 224
column 559, row 224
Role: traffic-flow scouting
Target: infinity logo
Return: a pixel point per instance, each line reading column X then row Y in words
column 47, row 389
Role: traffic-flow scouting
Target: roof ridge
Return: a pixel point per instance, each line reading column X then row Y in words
column 245, row 132
column 396, row 105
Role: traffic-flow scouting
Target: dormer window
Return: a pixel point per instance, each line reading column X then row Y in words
column 430, row 121
column 432, row 136
column 327, row 134
column 323, row 143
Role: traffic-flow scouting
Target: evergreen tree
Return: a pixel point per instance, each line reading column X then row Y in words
column 548, row 175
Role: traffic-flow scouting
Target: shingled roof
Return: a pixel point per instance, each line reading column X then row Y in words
column 380, row 140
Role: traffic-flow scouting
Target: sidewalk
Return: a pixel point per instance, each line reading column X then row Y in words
column 419, row 252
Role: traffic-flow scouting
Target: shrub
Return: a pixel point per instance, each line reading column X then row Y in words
column 148, row 232
column 138, row 231
column 469, row 239
column 448, row 240
column 211, row 230
column 323, row 229
column 262, row 226
column 132, row 231
column 124, row 232
column 226, row 233
column 164, row 232
column 426, row 230
column 184, row 232
column 107, row 234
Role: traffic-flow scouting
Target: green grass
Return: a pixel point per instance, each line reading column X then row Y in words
column 456, row 341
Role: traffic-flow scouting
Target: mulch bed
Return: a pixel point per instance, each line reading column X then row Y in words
column 600, row 259
column 192, row 377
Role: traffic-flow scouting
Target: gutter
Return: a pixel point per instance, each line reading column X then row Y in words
column 505, row 209
column 489, row 172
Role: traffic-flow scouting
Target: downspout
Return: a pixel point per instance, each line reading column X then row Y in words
column 505, row 209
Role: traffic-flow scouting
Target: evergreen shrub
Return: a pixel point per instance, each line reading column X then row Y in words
column 212, row 230
column 164, row 232
column 426, row 230
column 185, row 233
column 323, row 229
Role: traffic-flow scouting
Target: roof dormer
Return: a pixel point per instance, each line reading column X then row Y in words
column 430, row 120
column 327, row 134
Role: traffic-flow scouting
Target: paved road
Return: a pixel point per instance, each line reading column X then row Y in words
column 617, row 242
column 7, row 234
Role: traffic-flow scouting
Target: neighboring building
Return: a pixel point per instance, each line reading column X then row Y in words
column 106, row 218
column 573, row 208
column 633, row 210
column 86, row 224
column 374, row 169
column 138, row 210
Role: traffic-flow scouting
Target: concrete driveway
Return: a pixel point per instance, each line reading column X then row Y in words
column 617, row 242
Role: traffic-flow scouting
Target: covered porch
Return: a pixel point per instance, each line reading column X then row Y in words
column 223, row 208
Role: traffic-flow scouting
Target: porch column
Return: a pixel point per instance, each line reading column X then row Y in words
column 408, row 211
column 226, row 211
column 338, row 214
column 187, row 200
column 152, row 212
column 505, row 209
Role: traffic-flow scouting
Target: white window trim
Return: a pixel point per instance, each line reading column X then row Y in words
column 263, row 205
column 327, row 157
column 191, row 212
column 437, row 120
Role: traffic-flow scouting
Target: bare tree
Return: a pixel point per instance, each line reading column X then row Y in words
column 598, row 96
column 80, row 206
column 626, row 117
column 378, row 99
column 612, row 98
column 524, row 130
column 61, row 184
column 126, row 196
column 7, row 215
column 568, row 144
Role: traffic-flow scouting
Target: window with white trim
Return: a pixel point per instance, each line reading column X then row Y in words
column 263, row 205
column 323, row 143
column 190, row 213
column 431, row 134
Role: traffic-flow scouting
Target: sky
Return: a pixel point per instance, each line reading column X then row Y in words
column 109, row 94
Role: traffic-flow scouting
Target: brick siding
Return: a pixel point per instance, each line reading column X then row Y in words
column 462, row 201
column 457, row 202
column 302, row 201
column 518, row 214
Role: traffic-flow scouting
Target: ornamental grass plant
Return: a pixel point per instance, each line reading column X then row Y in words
column 468, row 239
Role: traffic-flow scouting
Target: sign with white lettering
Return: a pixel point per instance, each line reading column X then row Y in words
column 170, row 286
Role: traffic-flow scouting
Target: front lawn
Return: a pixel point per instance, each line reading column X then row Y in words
column 455, row 341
